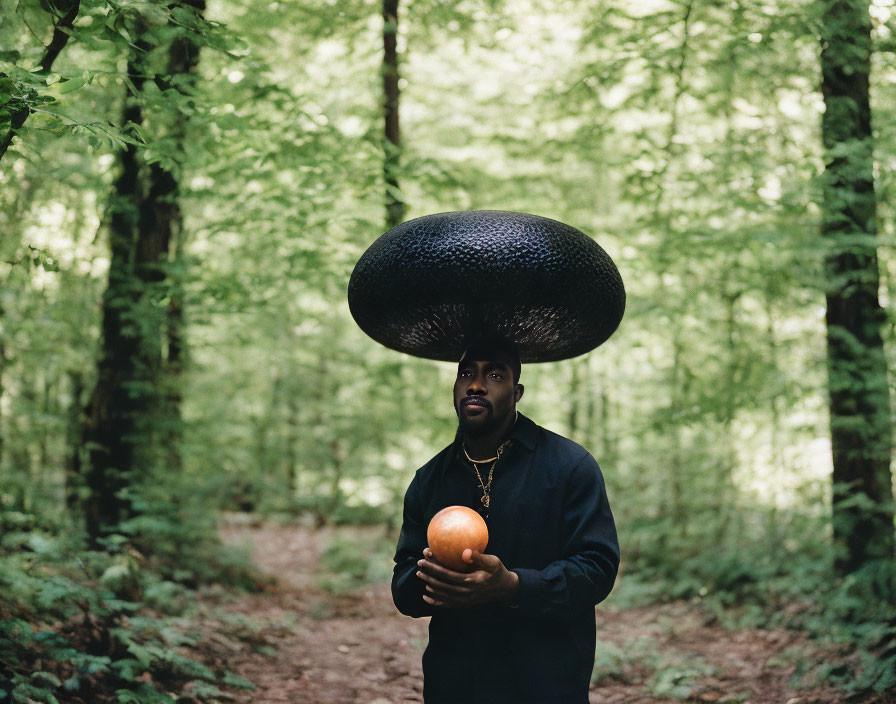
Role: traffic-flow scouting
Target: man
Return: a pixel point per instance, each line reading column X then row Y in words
column 520, row 626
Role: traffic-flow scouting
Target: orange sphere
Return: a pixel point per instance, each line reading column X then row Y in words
column 451, row 531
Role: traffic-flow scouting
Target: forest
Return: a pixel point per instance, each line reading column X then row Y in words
column 203, row 458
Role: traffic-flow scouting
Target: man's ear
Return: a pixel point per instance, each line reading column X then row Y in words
column 518, row 392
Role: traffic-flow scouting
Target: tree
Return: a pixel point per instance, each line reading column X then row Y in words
column 395, row 206
column 132, row 396
column 179, row 81
column 860, row 419
column 121, row 395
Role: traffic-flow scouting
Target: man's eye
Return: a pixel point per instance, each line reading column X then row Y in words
column 495, row 375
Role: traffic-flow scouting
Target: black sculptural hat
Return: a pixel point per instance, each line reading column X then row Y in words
column 429, row 285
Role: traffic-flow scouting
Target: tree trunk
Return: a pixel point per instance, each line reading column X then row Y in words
column 132, row 394
column 725, row 492
column 74, row 441
column 160, row 224
column 183, row 58
column 605, row 433
column 572, row 423
column 857, row 374
column 676, row 456
column 291, row 456
column 174, row 367
column 776, row 463
column 46, row 410
column 116, row 402
column 338, row 453
column 395, row 206
column 591, row 418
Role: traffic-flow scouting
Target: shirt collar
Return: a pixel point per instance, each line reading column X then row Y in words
column 523, row 432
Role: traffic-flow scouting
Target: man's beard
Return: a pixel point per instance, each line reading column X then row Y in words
column 478, row 425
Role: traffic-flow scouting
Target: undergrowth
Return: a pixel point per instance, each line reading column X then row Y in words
column 95, row 626
column 669, row 674
column 777, row 580
column 353, row 560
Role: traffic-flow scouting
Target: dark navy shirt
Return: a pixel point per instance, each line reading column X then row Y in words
column 550, row 522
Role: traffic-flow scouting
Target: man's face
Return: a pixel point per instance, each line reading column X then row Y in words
column 485, row 395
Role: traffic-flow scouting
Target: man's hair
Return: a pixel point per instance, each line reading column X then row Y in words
column 494, row 349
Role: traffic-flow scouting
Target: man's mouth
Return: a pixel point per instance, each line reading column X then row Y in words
column 474, row 403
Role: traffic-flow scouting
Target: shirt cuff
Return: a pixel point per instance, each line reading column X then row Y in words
column 531, row 584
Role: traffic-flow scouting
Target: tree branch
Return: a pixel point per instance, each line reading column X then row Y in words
column 61, row 33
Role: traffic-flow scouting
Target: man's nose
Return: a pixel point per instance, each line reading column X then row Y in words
column 476, row 387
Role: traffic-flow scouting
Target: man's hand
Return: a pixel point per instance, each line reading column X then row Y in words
column 489, row 583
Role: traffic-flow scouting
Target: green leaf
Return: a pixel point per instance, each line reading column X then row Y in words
column 45, row 679
column 233, row 680
column 143, row 655
column 129, row 669
column 29, row 694
column 72, row 84
column 39, row 543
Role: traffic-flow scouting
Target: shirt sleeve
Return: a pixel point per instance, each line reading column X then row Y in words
column 585, row 573
column 407, row 587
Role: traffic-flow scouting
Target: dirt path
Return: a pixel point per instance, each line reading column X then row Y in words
column 301, row 643
column 321, row 647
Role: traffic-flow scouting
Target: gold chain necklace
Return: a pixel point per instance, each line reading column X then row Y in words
column 490, row 459
column 486, row 486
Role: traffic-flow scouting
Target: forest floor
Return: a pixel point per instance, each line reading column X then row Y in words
column 303, row 638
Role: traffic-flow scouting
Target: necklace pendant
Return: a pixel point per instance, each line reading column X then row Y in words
column 485, row 500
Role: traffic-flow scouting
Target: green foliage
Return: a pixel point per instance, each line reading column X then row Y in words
column 609, row 660
column 860, row 610
column 354, row 560
column 667, row 675
column 65, row 610
column 783, row 580
column 676, row 681
column 686, row 137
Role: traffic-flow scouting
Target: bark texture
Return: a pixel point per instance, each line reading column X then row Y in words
column 136, row 402
column 115, row 403
column 395, row 206
column 860, row 416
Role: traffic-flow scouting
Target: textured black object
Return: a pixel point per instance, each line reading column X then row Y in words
column 429, row 284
